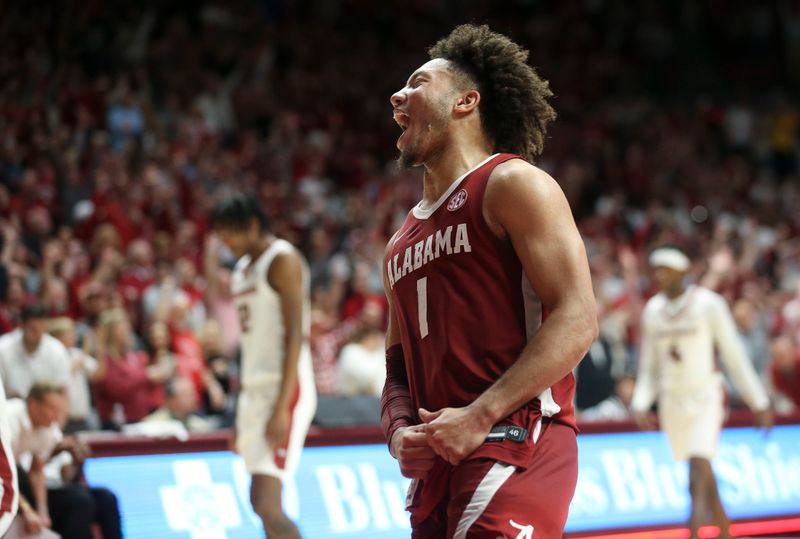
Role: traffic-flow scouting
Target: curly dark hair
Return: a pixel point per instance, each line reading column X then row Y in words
column 237, row 212
column 514, row 109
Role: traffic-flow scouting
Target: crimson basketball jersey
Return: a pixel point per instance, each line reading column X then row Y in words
column 465, row 311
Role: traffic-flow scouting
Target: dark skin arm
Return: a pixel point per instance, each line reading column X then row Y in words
column 286, row 277
column 526, row 206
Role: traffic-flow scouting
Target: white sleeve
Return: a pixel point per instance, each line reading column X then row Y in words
column 738, row 365
column 62, row 364
column 89, row 364
column 645, row 391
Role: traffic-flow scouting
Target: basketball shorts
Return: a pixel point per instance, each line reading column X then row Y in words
column 254, row 410
column 693, row 422
column 490, row 500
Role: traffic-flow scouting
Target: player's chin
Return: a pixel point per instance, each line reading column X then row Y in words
column 407, row 159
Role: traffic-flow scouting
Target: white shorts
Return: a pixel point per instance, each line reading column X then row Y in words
column 693, row 422
column 254, row 410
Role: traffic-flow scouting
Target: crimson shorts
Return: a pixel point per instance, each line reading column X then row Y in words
column 490, row 500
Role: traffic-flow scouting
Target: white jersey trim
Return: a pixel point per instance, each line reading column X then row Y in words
column 488, row 487
column 425, row 213
column 548, row 404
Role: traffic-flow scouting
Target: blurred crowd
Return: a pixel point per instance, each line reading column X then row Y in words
column 121, row 126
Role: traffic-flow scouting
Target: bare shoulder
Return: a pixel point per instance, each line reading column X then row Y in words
column 286, row 268
column 518, row 190
column 517, row 174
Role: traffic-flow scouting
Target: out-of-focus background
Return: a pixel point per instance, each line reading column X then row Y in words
column 122, row 123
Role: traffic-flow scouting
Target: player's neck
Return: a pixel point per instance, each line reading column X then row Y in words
column 260, row 246
column 452, row 163
column 676, row 291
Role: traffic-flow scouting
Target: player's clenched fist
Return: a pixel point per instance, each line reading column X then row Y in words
column 410, row 448
column 454, row 433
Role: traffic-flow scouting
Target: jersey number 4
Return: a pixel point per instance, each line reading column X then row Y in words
column 422, row 306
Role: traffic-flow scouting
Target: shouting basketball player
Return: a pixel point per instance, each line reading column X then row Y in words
column 492, row 303
column 277, row 402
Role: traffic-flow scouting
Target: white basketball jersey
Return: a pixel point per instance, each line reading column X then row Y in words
column 679, row 340
column 261, row 319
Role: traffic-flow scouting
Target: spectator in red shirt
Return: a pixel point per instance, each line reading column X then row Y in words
column 190, row 361
column 785, row 368
column 123, row 383
column 139, row 273
column 11, row 305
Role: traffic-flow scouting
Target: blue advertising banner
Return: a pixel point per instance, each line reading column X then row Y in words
column 631, row 479
column 625, row 480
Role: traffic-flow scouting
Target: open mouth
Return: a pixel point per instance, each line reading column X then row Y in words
column 401, row 118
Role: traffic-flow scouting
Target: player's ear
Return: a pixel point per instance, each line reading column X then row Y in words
column 468, row 101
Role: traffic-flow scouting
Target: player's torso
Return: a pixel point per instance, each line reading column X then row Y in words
column 683, row 340
column 465, row 309
column 456, row 291
column 260, row 317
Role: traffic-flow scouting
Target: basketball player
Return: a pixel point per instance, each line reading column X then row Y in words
column 681, row 327
column 9, row 492
column 277, row 402
column 491, row 301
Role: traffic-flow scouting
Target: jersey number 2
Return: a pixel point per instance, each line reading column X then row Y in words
column 422, row 306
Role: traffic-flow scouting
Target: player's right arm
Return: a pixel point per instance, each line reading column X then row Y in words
column 644, row 393
column 408, row 443
column 739, row 366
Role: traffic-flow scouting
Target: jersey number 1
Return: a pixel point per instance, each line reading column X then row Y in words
column 422, row 306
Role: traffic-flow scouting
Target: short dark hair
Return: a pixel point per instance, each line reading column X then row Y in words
column 34, row 310
column 237, row 211
column 514, row 108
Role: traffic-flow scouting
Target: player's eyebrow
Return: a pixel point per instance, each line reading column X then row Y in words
column 416, row 75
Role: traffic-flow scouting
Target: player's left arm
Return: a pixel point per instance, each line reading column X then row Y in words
column 526, row 206
column 286, row 277
column 739, row 366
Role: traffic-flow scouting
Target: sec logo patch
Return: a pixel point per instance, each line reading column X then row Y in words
column 457, row 200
